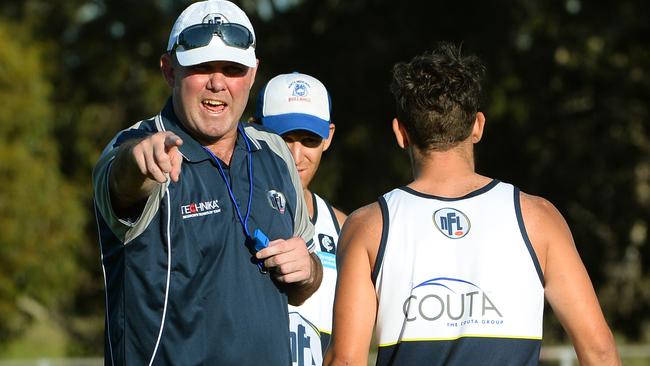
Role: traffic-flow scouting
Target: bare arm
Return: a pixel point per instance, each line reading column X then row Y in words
column 141, row 164
column 298, row 272
column 568, row 288
column 355, row 304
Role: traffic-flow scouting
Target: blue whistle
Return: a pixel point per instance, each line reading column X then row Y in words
column 261, row 241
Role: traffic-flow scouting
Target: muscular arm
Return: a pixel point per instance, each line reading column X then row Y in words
column 355, row 304
column 568, row 288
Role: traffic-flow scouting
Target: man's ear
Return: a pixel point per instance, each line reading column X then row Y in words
column 328, row 140
column 167, row 68
column 477, row 129
column 401, row 135
column 254, row 71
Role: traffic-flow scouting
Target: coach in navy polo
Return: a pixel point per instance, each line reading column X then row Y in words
column 184, row 202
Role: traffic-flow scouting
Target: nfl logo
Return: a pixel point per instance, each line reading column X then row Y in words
column 451, row 223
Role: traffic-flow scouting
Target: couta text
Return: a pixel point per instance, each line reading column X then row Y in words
column 432, row 307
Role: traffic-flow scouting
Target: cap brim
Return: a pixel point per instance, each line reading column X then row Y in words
column 284, row 123
column 217, row 51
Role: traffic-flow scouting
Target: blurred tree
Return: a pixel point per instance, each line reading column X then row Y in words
column 41, row 219
column 574, row 101
column 102, row 64
column 566, row 101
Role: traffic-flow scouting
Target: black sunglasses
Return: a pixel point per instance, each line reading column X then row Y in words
column 199, row 35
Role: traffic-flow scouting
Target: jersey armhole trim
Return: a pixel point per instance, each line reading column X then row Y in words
column 524, row 235
column 335, row 221
column 384, row 238
column 314, row 204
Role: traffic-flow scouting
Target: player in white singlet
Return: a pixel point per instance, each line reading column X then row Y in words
column 297, row 107
column 453, row 268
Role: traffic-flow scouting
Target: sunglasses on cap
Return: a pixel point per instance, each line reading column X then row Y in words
column 200, row 35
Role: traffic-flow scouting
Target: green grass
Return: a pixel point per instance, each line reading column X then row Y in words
column 42, row 339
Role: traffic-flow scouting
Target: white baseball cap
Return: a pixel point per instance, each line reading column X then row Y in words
column 290, row 102
column 212, row 12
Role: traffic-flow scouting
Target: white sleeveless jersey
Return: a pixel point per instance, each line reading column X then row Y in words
column 310, row 324
column 457, row 280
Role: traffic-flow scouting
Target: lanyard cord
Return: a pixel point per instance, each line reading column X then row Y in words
column 244, row 221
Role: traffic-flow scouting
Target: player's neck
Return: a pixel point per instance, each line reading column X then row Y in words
column 447, row 174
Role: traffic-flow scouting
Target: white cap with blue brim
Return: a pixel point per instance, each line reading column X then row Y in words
column 295, row 101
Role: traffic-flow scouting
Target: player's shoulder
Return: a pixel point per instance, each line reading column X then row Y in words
column 365, row 217
column 363, row 228
column 338, row 214
column 538, row 208
column 545, row 225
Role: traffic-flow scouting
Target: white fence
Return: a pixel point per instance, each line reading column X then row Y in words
column 566, row 356
column 55, row 362
column 556, row 355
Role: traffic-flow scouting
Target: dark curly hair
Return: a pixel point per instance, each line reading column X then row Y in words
column 437, row 95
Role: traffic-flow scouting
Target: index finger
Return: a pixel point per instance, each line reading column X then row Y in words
column 275, row 247
column 171, row 140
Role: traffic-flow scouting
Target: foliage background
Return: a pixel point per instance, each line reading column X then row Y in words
column 566, row 101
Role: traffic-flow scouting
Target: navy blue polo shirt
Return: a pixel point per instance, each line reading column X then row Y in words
column 182, row 287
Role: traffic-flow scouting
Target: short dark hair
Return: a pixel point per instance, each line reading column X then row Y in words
column 437, row 95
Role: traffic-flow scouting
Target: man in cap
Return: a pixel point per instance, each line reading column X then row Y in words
column 453, row 268
column 204, row 231
column 297, row 107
